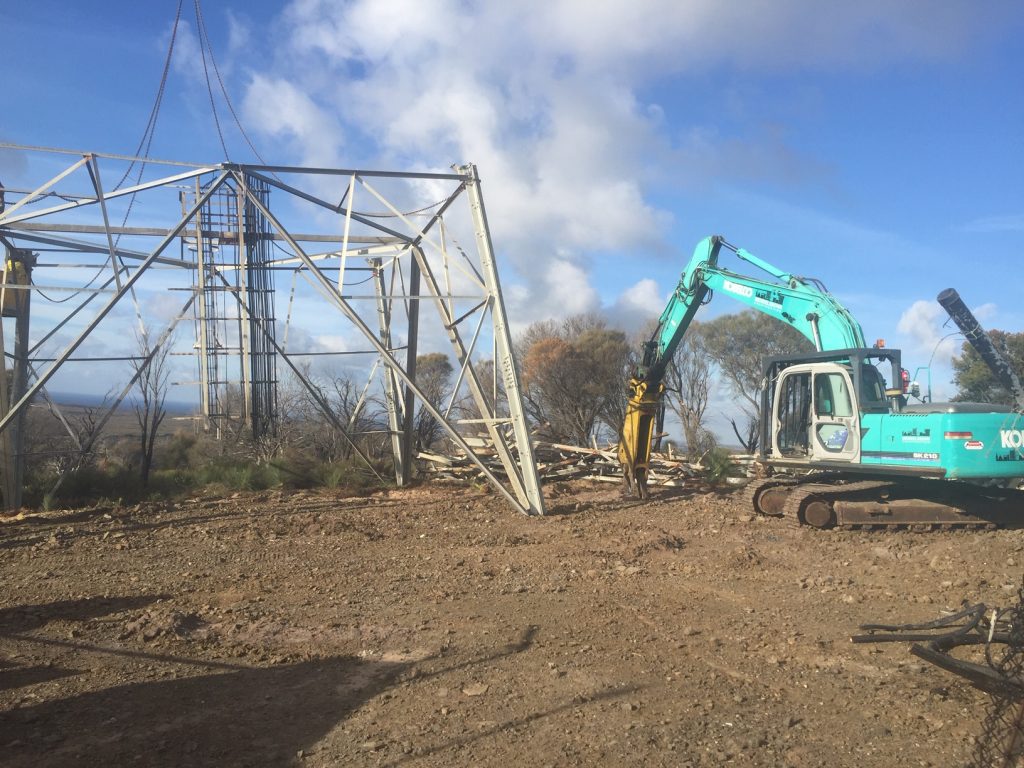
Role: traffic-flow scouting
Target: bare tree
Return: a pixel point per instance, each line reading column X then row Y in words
column 153, row 371
column 688, row 385
column 738, row 344
column 88, row 427
column 750, row 433
column 351, row 406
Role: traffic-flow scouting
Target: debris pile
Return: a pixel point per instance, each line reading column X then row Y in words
column 558, row 461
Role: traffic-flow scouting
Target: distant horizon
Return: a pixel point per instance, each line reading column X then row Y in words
column 87, row 400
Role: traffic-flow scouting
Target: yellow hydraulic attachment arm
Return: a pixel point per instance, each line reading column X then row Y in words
column 635, row 445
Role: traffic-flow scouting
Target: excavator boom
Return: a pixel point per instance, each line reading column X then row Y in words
column 803, row 303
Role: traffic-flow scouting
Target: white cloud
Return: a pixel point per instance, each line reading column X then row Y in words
column 986, row 312
column 932, row 345
column 329, row 342
column 239, row 31
column 643, row 296
column 546, row 99
column 779, row 34
column 188, row 60
column 569, row 290
column 284, row 111
column 13, row 164
column 162, row 307
column 640, row 303
column 1013, row 222
column 922, row 323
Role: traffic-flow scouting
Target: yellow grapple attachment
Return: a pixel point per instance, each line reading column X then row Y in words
column 635, row 444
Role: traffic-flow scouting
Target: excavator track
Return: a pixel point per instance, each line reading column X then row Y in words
column 813, row 504
column 872, row 504
column 767, row 495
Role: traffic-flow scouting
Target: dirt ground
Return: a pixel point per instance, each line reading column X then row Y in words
column 436, row 627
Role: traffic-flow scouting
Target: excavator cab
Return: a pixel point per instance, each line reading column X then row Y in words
column 814, row 415
column 813, row 404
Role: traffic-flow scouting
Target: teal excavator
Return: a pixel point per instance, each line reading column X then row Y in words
column 839, row 443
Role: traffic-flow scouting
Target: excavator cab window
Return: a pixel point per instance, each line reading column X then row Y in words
column 872, row 390
column 832, row 396
column 794, row 414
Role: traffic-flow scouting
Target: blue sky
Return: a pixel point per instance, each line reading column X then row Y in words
column 876, row 147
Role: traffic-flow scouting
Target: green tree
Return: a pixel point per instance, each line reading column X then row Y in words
column 574, row 376
column 975, row 382
column 739, row 344
column 434, row 378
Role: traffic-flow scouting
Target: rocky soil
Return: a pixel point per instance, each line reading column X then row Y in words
column 435, row 627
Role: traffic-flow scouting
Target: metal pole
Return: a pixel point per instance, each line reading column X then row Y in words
column 20, row 382
column 409, row 404
column 94, row 172
column 462, row 353
column 390, row 384
column 243, row 312
column 503, row 341
column 201, row 309
column 975, row 334
column 7, row 447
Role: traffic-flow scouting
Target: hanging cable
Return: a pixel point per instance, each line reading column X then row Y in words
column 147, row 135
column 142, row 151
column 206, row 74
column 389, row 215
column 204, row 39
column 85, row 287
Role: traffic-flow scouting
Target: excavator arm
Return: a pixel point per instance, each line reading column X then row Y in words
column 803, row 303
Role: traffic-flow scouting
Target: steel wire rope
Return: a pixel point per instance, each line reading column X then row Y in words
column 147, row 135
column 204, row 41
column 206, row 47
column 206, row 73
column 143, row 148
column 383, row 215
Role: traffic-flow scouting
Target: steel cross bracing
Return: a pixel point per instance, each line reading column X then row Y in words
column 376, row 266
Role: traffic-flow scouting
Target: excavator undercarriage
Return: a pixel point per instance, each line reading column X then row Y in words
column 829, row 500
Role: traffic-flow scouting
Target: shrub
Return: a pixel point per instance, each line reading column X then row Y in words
column 719, row 466
column 201, row 464
column 176, row 453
